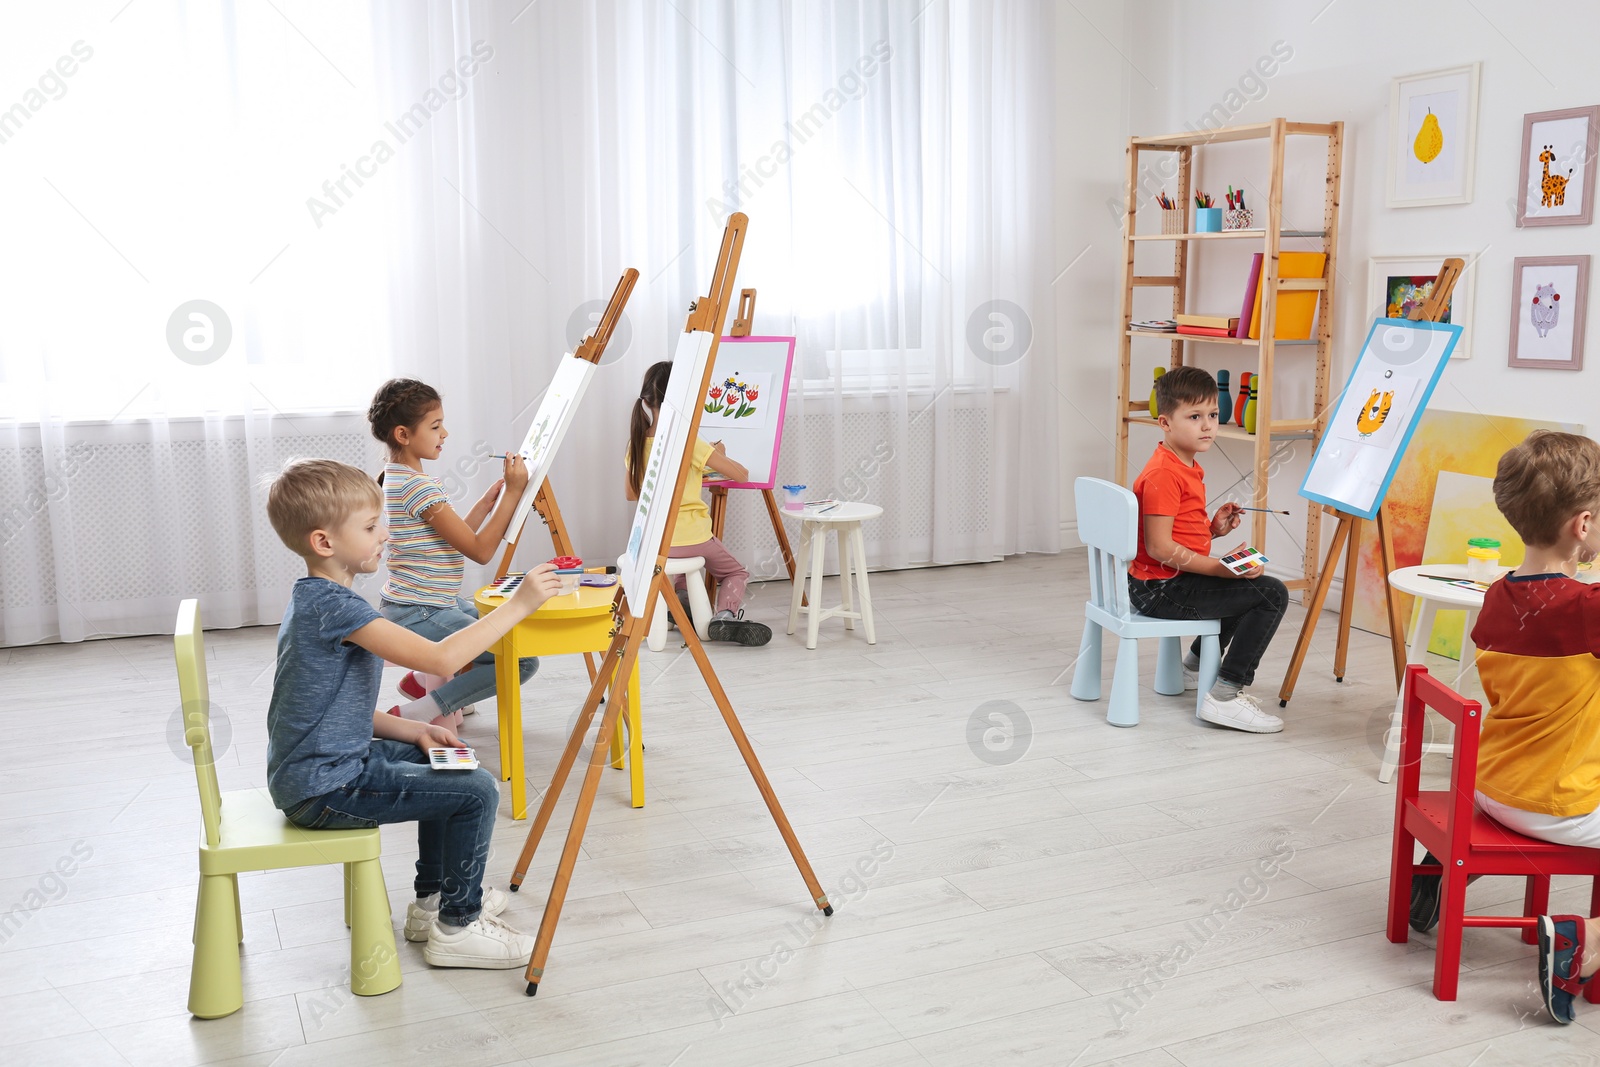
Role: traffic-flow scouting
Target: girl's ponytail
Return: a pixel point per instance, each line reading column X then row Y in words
column 642, row 419
column 399, row 402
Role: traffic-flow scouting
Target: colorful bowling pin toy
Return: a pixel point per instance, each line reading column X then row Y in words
column 1250, row 409
column 1159, row 372
column 1224, row 399
column 1244, row 398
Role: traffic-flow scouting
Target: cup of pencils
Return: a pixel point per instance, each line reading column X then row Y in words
column 1171, row 214
column 1207, row 216
column 1237, row 217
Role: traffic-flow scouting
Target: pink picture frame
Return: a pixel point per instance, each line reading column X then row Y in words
column 759, row 478
column 1549, row 302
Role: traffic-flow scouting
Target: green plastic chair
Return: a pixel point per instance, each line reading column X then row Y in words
column 243, row 831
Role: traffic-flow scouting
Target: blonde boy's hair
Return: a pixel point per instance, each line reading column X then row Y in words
column 316, row 494
column 1546, row 480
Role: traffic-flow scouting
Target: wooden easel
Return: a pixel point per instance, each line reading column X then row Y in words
column 719, row 494
column 707, row 315
column 544, row 501
column 1347, row 538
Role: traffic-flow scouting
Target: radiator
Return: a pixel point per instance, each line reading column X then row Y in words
column 147, row 515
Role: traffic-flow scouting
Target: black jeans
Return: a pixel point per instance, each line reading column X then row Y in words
column 1250, row 610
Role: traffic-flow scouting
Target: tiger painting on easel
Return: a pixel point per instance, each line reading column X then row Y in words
column 1372, row 414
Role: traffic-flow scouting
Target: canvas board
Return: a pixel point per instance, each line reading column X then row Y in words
column 751, row 430
column 671, row 442
column 549, row 426
column 1376, row 414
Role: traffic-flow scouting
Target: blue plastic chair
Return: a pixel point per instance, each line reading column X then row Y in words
column 1108, row 523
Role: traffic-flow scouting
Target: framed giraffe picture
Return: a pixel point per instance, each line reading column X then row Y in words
column 1558, row 148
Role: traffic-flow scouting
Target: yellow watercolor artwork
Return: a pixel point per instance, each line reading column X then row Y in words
column 1463, row 508
column 1466, row 443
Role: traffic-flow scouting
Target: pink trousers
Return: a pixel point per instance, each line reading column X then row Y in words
column 721, row 564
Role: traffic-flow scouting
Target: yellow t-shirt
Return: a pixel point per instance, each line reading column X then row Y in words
column 694, row 516
column 1538, row 641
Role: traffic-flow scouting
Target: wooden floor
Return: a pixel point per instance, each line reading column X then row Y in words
column 1055, row 891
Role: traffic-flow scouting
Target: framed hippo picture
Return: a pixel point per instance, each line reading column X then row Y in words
column 1549, row 300
column 1556, row 186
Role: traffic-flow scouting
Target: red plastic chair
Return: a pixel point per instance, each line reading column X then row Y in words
column 1464, row 840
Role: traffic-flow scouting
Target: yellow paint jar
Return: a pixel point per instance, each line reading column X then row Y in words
column 1483, row 559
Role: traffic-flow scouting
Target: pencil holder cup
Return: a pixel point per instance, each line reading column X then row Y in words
column 1171, row 220
column 1238, row 219
column 1208, row 220
column 794, row 498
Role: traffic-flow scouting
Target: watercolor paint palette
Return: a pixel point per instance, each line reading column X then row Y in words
column 1245, row 559
column 507, row 585
column 453, row 759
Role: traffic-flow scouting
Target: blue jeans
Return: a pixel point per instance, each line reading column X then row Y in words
column 454, row 812
column 436, row 623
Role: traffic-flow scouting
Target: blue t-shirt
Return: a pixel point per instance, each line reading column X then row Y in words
column 319, row 721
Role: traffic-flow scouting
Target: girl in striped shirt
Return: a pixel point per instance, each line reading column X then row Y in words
column 428, row 543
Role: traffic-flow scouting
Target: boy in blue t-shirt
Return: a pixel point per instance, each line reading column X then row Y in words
column 336, row 763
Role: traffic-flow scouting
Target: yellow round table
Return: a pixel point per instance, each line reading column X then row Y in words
column 575, row 622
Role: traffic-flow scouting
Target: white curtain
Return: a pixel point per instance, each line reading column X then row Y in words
column 894, row 159
column 449, row 190
column 155, row 155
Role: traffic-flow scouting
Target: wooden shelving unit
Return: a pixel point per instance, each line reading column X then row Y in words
column 1269, row 429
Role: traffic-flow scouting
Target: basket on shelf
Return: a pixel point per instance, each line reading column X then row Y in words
column 1238, row 218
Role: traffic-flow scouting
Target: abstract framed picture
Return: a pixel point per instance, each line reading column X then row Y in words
column 1433, row 137
column 1396, row 284
column 1549, row 297
column 1557, row 187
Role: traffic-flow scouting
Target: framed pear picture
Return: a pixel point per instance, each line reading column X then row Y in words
column 1433, row 137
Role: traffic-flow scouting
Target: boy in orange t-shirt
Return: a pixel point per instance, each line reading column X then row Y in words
column 1173, row 575
column 1538, row 639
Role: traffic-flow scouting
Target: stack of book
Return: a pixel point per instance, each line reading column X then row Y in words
column 1207, row 325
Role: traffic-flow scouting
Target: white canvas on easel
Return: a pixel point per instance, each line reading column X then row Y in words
column 671, row 442
column 751, row 432
column 1397, row 369
column 544, row 435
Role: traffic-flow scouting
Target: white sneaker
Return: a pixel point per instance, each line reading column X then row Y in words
column 468, row 709
column 1191, row 680
column 1240, row 713
column 422, row 914
column 486, row 942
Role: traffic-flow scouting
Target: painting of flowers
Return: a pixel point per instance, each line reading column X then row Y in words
column 738, row 399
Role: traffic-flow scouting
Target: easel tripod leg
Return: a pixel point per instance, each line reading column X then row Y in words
column 697, row 650
column 1319, row 593
column 580, row 814
column 1347, row 600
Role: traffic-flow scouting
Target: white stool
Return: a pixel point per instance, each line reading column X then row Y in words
column 845, row 519
column 694, row 570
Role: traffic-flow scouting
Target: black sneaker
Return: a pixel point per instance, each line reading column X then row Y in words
column 1425, row 898
column 731, row 627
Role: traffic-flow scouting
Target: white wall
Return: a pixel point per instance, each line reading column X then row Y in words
column 1344, row 57
column 1095, row 105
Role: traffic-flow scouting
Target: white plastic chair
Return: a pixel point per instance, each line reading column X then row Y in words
column 693, row 568
column 1108, row 523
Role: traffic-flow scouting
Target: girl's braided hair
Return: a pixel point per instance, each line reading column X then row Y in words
column 399, row 402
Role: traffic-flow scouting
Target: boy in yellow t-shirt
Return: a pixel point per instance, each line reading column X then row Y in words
column 691, row 536
column 1538, row 639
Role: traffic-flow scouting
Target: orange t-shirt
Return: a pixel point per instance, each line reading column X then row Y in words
column 1168, row 486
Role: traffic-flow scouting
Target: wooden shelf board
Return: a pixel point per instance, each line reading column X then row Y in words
column 1223, row 235
column 1207, row 339
column 1254, row 132
column 1229, row 430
